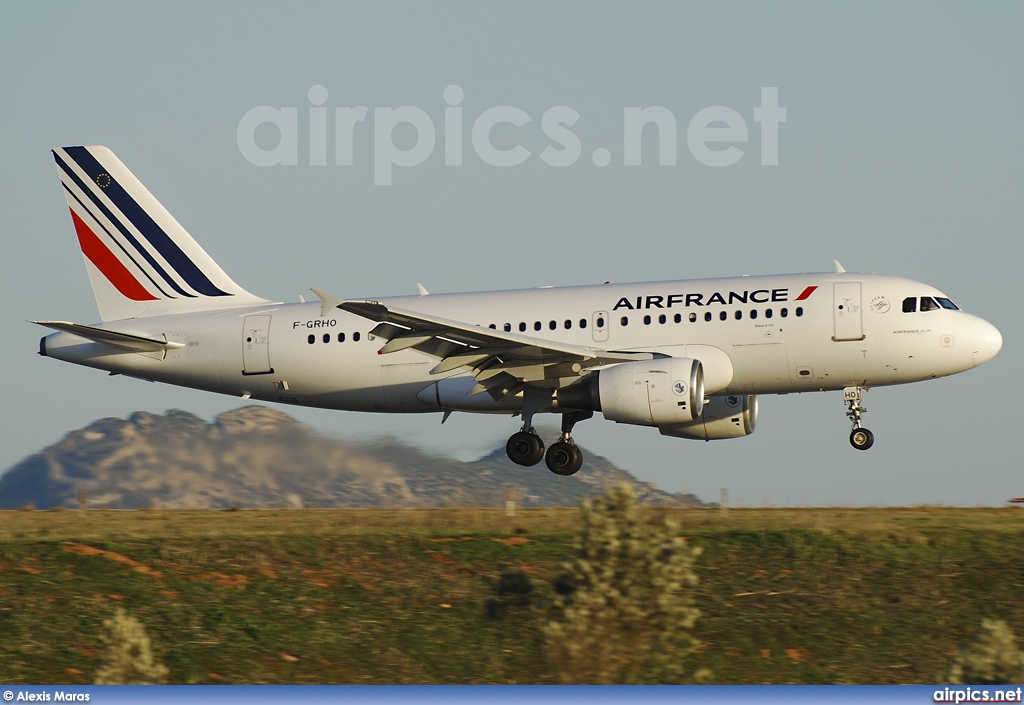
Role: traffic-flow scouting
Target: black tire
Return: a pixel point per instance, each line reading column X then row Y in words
column 861, row 438
column 524, row 448
column 564, row 458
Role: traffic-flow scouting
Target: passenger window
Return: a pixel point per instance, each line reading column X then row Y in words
column 536, row 325
column 739, row 315
column 341, row 337
column 753, row 313
column 647, row 320
column 723, row 316
column 583, row 323
column 693, row 318
column 568, row 324
column 799, row 311
column 910, row 304
column 707, row 316
column 784, row 312
column 327, row 337
column 508, row 327
column 928, row 304
column 522, row 327
column 552, row 325
column 624, row 321
column 662, row 318
column 678, row 318
column 493, row 327
column 311, row 339
column 355, row 337
column 767, row 313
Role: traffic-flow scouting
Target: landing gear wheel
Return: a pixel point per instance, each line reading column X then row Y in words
column 861, row 438
column 564, row 458
column 524, row 448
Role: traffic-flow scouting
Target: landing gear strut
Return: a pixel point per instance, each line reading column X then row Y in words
column 860, row 438
column 564, row 457
column 525, row 447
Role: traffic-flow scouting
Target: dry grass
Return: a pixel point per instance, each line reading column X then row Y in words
column 906, row 522
column 874, row 595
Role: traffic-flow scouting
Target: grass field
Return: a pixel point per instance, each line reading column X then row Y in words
column 399, row 596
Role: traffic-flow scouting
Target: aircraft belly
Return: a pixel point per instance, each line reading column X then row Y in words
column 402, row 381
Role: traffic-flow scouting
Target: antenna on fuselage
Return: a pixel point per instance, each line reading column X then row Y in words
column 839, row 267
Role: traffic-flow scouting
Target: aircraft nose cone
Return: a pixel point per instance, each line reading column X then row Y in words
column 986, row 342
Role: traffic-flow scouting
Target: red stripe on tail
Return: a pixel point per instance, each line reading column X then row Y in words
column 105, row 261
column 806, row 292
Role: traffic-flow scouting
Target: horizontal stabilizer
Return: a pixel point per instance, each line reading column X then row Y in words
column 121, row 341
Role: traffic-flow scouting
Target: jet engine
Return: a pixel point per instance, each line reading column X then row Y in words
column 731, row 416
column 646, row 393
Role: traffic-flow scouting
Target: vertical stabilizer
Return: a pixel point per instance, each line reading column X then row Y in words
column 139, row 258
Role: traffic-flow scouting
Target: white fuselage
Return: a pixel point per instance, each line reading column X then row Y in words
column 753, row 335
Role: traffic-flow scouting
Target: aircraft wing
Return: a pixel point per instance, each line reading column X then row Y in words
column 121, row 341
column 500, row 361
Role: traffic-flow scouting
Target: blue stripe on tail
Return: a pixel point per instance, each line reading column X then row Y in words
column 142, row 221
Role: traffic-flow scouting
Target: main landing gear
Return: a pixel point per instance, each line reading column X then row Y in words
column 860, row 438
column 563, row 457
column 525, row 447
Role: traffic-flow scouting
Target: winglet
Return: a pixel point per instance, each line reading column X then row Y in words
column 839, row 267
column 327, row 301
column 423, row 289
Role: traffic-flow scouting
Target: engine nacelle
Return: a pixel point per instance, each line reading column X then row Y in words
column 664, row 391
column 732, row 416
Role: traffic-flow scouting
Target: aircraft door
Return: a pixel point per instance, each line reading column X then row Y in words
column 256, row 346
column 846, row 309
column 599, row 326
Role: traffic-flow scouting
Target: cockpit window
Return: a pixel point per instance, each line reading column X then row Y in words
column 928, row 303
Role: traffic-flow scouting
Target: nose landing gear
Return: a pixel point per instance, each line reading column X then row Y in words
column 860, row 438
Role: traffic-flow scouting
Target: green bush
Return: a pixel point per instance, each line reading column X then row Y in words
column 993, row 658
column 624, row 609
column 512, row 589
column 127, row 657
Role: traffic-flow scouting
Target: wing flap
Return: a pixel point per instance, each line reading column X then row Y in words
column 486, row 352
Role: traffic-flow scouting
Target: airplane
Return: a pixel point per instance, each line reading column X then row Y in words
column 689, row 358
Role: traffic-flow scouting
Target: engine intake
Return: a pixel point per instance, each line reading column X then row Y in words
column 666, row 391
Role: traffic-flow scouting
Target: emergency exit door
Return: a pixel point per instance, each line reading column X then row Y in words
column 256, row 346
column 847, row 311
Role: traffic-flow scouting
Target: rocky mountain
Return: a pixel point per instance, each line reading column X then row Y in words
column 259, row 457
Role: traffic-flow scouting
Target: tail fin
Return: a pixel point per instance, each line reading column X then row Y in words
column 138, row 256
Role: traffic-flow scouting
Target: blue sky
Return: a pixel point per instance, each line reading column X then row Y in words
column 901, row 154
